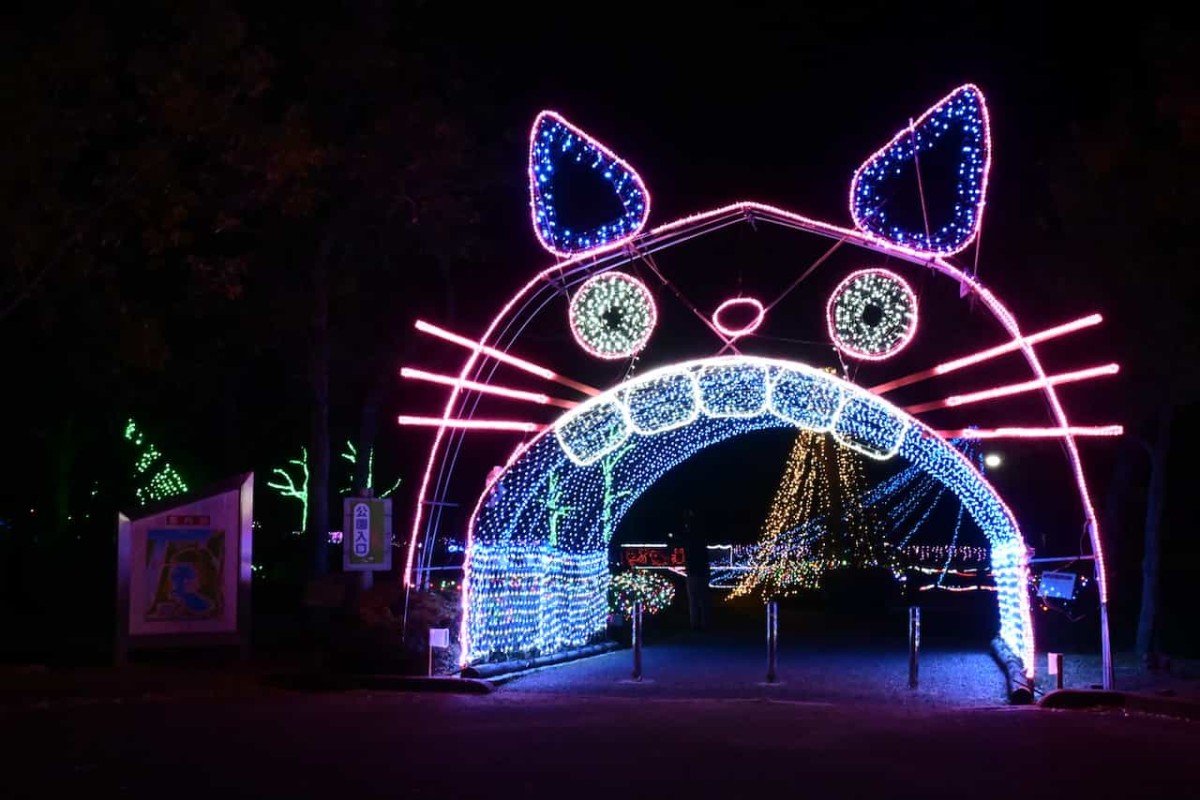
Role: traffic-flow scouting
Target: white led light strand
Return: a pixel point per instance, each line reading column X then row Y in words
column 612, row 315
column 537, row 570
column 872, row 314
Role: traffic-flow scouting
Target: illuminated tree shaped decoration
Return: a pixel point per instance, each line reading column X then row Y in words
column 654, row 591
column 612, row 315
column 608, row 465
column 561, row 157
column 156, row 479
column 552, row 502
column 291, row 488
column 351, row 455
column 817, row 522
column 872, row 314
column 898, row 193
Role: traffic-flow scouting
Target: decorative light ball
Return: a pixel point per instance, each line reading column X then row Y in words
column 872, row 314
column 612, row 315
column 653, row 590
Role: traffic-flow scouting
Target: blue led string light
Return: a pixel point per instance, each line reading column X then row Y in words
column 553, row 144
column 523, row 593
column 959, row 121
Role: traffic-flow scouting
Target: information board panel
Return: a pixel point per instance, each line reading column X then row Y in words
column 184, row 568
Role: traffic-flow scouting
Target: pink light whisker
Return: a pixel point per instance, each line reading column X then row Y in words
column 992, row 352
column 1033, row 433
column 485, row 388
column 504, row 357
column 472, row 424
column 1015, row 388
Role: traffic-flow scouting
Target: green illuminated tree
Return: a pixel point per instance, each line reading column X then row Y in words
column 154, row 477
column 552, row 502
column 295, row 487
column 368, row 482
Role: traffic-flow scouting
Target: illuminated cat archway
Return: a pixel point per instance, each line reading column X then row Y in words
column 537, row 556
column 954, row 133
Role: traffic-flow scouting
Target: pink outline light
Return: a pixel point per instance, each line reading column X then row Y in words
column 1015, row 388
column 908, row 131
column 640, row 343
column 1032, row 433
column 853, row 236
column 991, row 352
column 633, row 173
column 485, row 388
column 471, row 424
column 737, row 333
column 852, row 352
column 500, row 355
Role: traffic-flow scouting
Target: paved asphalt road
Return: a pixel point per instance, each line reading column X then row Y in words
column 578, row 730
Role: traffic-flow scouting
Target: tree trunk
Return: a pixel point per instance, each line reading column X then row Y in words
column 1126, row 464
column 318, row 485
column 1147, row 631
column 63, row 467
column 695, row 553
column 368, row 429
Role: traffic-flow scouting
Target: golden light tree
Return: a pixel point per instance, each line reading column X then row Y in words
column 816, row 523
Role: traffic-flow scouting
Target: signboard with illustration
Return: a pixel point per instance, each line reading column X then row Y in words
column 367, row 537
column 184, row 568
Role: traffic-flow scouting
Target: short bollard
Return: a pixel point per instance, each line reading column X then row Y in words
column 1056, row 668
column 637, row 641
column 914, row 643
column 772, row 638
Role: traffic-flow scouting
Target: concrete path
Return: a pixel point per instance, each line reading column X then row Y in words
column 729, row 666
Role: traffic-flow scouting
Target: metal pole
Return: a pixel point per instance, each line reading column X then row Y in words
column 772, row 638
column 1058, row 670
column 430, row 646
column 404, row 624
column 1106, row 649
column 914, row 643
column 637, row 641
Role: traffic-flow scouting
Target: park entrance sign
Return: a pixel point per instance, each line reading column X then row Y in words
column 184, row 569
column 367, row 536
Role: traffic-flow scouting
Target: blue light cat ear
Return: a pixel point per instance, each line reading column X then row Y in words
column 925, row 189
column 563, row 160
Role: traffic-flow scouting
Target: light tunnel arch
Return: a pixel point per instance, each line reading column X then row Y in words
column 536, row 571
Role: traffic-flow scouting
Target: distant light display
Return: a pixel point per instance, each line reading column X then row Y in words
column 612, row 315
column 654, row 591
column 817, row 523
column 555, row 143
column 156, row 478
column 872, row 314
column 958, row 123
